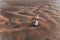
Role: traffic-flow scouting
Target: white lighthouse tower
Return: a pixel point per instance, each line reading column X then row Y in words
column 36, row 23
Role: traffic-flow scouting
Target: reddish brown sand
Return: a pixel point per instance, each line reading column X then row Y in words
column 16, row 22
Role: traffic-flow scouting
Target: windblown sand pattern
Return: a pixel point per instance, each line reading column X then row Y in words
column 15, row 22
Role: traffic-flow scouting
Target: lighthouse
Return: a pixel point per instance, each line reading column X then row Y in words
column 36, row 21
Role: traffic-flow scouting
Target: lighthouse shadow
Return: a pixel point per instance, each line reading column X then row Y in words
column 33, row 24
